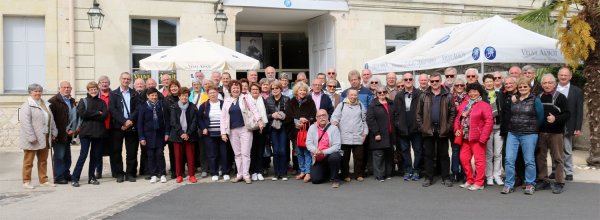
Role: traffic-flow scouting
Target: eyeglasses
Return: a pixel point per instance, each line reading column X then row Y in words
column 498, row 77
column 382, row 92
column 374, row 82
column 321, row 116
column 434, row 81
column 449, row 76
column 523, row 87
column 331, row 86
column 408, row 79
column 459, row 85
column 471, row 76
column 330, row 73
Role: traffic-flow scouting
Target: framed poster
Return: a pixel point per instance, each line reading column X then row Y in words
column 251, row 45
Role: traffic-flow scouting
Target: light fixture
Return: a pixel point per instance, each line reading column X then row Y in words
column 95, row 16
column 221, row 21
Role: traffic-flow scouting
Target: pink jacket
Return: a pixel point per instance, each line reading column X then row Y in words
column 225, row 111
column 481, row 122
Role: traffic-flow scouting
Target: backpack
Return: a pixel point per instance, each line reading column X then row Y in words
column 553, row 104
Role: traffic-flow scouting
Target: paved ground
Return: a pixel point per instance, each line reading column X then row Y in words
column 268, row 200
column 394, row 199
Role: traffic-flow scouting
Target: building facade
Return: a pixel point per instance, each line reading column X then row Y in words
column 47, row 41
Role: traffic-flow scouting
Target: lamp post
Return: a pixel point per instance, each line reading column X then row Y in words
column 95, row 16
column 221, row 22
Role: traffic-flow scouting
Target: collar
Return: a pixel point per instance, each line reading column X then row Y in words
column 123, row 91
column 322, row 128
column 64, row 97
column 565, row 87
column 33, row 103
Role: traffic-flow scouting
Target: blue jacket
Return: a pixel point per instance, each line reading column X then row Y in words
column 145, row 125
column 203, row 117
column 365, row 96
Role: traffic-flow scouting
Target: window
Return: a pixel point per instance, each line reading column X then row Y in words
column 150, row 36
column 398, row 37
column 24, row 53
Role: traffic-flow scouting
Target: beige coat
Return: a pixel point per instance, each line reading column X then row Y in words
column 34, row 126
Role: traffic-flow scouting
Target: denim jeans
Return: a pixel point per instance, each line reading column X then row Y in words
column 95, row 156
column 416, row 142
column 216, row 152
column 304, row 159
column 456, row 168
column 527, row 142
column 280, row 151
column 62, row 160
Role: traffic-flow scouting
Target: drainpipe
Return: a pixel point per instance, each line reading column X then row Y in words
column 72, row 46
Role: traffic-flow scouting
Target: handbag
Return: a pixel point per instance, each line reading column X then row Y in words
column 459, row 139
column 249, row 122
column 301, row 137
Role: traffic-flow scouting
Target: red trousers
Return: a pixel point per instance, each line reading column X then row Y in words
column 468, row 150
column 189, row 153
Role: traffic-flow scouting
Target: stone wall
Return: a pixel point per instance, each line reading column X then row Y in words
column 9, row 129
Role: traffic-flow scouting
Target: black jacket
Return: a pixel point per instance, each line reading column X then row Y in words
column 379, row 124
column 296, row 111
column 406, row 122
column 191, row 116
column 561, row 116
column 60, row 111
column 167, row 103
column 92, row 117
column 325, row 103
column 116, row 105
column 575, row 106
column 505, row 114
column 271, row 106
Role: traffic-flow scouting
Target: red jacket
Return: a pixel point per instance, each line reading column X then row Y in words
column 481, row 122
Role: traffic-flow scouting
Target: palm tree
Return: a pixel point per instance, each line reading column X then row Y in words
column 577, row 41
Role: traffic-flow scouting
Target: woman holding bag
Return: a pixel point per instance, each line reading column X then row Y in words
column 234, row 128
column 472, row 127
column 300, row 114
column 276, row 106
column 209, row 117
column 258, row 142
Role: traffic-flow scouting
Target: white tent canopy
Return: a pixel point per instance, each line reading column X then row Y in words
column 199, row 54
column 492, row 40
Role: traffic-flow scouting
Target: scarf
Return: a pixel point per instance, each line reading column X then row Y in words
column 492, row 96
column 302, row 100
column 153, row 106
column 466, row 116
column 182, row 118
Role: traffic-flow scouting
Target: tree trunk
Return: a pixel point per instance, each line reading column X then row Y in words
column 591, row 91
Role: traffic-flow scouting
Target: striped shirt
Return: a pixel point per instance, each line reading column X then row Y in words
column 214, row 116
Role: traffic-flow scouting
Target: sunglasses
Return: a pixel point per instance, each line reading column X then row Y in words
column 375, row 82
column 408, row 79
column 471, row 76
column 498, row 77
column 459, row 85
column 330, row 73
column 331, row 86
column 434, row 81
column 449, row 76
column 321, row 116
column 382, row 92
column 523, row 87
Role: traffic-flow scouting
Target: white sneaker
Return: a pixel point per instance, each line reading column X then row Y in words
column 204, row 174
column 498, row 181
column 153, row 179
column 163, row 179
column 226, row 178
column 254, row 177
column 260, row 177
column 48, row 184
column 274, row 178
column 284, row 179
column 465, row 185
column 215, row 178
column 490, row 181
column 27, row 185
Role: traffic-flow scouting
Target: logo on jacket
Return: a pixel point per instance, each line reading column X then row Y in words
column 475, row 53
column 490, row 53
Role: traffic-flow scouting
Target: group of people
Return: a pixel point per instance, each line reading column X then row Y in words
column 219, row 124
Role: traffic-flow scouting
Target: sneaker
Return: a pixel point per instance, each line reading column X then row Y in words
column 284, row 178
column 163, row 179
column 475, row 187
column 215, row 178
column 542, row 185
column 193, row 179
column 415, row 176
column 529, row 189
column 498, row 181
column 153, row 179
column 254, row 177
column 569, row 177
column 557, row 188
column 465, row 185
column 226, row 178
column 179, row 179
column 380, row 179
column 406, row 177
column 260, row 177
column 75, row 183
column 48, row 184
column 426, row 183
column 274, row 178
column 335, row 184
column 204, row 174
column 490, row 181
column 507, row 190
column 447, row 183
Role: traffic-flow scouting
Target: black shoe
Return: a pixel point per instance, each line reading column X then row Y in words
column 380, row 179
column 69, row 177
column 120, row 179
column 93, row 182
column 551, row 176
column 557, row 188
column 447, row 182
column 75, row 184
column 98, row 175
column 114, row 175
column 130, row 178
column 426, row 182
column 61, row 181
column 148, row 177
column 569, row 178
column 542, row 185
